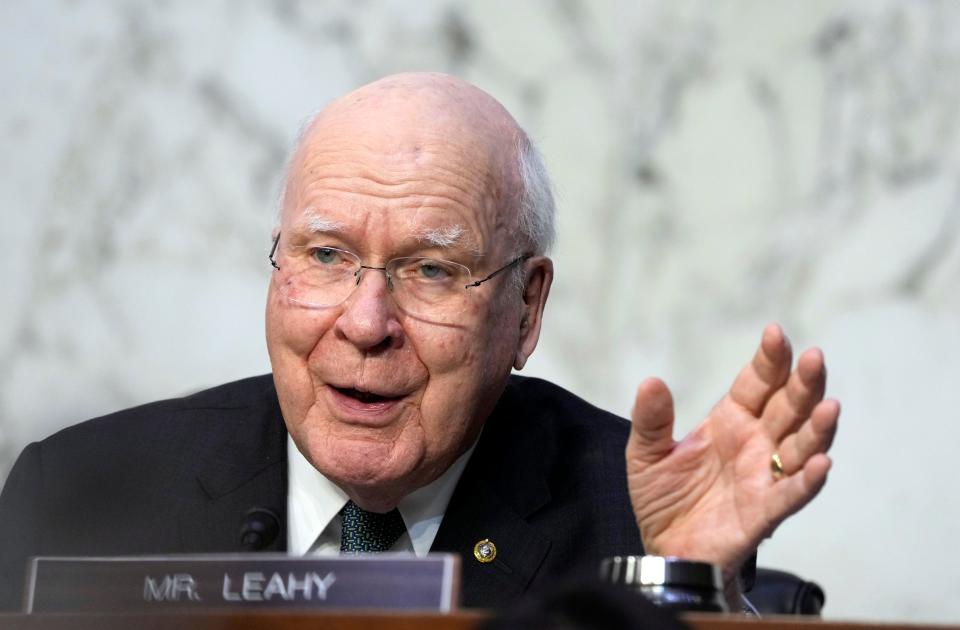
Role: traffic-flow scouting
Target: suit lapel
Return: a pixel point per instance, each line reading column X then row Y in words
column 521, row 549
column 504, row 483
column 246, row 468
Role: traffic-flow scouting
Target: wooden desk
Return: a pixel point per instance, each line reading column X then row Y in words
column 397, row 621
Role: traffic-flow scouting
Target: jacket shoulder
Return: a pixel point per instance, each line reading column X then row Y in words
column 541, row 433
column 172, row 476
column 233, row 429
column 159, row 418
column 562, row 412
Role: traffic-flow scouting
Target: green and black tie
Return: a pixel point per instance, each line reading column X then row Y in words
column 364, row 532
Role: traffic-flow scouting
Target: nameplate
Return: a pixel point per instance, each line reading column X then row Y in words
column 180, row 583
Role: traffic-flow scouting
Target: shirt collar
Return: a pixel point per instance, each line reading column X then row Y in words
column 313, row 502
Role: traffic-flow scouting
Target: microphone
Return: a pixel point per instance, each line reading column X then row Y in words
column 260, row 528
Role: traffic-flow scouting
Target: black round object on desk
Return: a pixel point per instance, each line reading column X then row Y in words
column 670, row 583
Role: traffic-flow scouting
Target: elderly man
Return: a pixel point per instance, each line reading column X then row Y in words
column 409, row 278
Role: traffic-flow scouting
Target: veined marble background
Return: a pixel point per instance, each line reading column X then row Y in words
column 719, row 165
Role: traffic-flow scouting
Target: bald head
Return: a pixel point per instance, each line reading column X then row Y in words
column 423, row 118
column 429, row 101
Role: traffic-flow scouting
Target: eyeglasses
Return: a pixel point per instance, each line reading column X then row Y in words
column 430, row 288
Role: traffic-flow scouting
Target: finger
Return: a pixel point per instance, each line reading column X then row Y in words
column 792, row 404
column 651, row 436
column 792, row 493
column 815, row 436
column 766, row 372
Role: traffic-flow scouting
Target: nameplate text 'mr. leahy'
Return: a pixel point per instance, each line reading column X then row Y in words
column 179, row 583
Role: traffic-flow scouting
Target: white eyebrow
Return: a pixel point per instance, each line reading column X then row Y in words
column 443, row 237
column 438, row 237
column 316, row 223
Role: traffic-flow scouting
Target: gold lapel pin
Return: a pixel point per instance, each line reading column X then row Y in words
column 485, row 551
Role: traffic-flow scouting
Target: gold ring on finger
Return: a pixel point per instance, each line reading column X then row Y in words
column 776, row 467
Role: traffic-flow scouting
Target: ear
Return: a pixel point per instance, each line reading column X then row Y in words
column 535, row 293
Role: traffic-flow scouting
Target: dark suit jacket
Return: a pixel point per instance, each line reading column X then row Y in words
column 546, row 484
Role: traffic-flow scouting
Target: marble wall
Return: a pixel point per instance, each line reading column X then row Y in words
column 719, row 165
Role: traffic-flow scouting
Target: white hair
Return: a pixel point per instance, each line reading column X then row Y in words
column 288, row 166
column 537, row 211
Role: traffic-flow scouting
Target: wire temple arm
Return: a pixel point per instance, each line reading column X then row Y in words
column 500, row 270
column 273, row 250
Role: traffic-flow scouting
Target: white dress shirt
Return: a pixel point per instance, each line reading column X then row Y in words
column 314, row 503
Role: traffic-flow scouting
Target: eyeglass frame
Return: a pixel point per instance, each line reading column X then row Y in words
column 357, row 274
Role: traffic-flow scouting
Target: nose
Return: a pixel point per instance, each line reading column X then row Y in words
column 369, row 316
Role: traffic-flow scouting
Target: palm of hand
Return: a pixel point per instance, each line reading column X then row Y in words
column 712, row 496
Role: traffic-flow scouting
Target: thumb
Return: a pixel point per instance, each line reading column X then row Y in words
column 651, row 436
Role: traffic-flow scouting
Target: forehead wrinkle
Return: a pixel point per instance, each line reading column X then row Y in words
column 445, row 235
column 461, row 186
column 460, row 174
column 343, row 163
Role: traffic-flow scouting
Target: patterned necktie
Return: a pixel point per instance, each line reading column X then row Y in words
column 363, row 531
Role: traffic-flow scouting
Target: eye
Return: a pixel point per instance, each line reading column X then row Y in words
column 433, row 270
column 327, row 256
column 425, row 271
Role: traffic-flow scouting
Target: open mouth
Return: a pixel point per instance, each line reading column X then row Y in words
column 365, row 397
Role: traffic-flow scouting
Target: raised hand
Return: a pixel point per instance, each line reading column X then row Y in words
column 714, row 495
